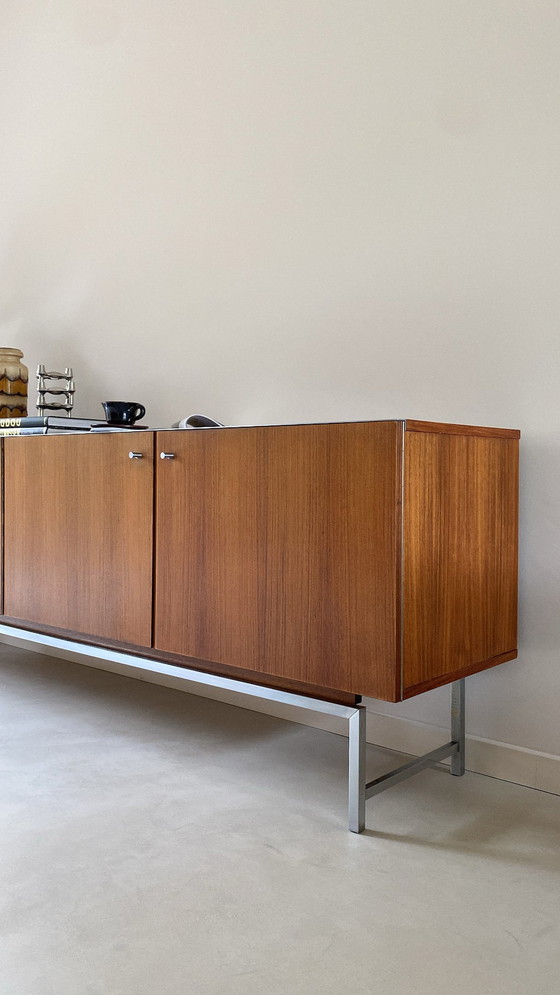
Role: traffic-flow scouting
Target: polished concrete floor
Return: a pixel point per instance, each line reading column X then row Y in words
column 158, row 843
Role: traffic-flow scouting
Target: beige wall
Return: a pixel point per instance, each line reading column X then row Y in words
column 272, row 211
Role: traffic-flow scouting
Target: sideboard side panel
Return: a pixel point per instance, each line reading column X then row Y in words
column 460, row 556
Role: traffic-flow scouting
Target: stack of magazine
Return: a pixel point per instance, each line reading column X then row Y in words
column 48, row 425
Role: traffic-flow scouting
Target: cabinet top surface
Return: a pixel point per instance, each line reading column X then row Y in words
column 408, row 425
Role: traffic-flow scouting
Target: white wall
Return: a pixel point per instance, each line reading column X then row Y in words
column 278, row 211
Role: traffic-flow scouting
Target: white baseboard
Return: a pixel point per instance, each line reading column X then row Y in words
column 483, row 756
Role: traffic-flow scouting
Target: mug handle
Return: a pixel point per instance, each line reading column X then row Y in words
column 139, row 412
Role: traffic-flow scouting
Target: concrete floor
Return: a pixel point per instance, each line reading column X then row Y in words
column 158, row 843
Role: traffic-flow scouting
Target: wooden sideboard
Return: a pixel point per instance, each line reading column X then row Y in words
column 336, row 560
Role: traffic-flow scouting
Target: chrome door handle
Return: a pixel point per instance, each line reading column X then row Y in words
column 167, row 455
column 136, row 455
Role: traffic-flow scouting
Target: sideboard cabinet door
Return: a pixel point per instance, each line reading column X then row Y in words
column 277, row 551
column 78, row 533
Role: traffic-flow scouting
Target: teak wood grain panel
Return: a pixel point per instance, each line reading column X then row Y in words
column 277, row 551
column 78, row 544
column 460, row 555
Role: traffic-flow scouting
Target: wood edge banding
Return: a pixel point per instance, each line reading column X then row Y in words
column 475, row 668
column 480, row 431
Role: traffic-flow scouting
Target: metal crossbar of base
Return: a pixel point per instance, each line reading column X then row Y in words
column 359, row 790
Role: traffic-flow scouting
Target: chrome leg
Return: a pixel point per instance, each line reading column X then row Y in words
column 357, row 770
column 458, row 726
column 359, row 790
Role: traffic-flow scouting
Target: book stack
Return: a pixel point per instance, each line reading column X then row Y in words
column 48, row 425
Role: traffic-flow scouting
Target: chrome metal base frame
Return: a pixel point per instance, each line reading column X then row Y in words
column 358, row 789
